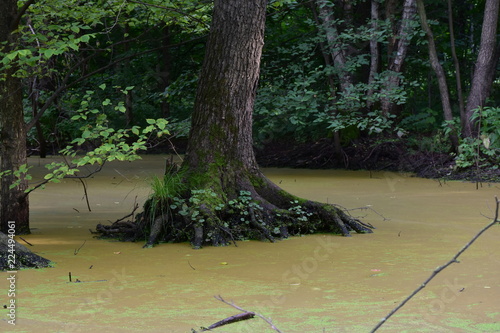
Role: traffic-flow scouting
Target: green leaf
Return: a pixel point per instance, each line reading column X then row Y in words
column 48, row 53
column 121, row 108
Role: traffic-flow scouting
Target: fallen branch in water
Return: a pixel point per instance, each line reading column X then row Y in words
column 230, row 320
column 219, row 298
column 120, row 226
column 24, row 240
column 441, row 268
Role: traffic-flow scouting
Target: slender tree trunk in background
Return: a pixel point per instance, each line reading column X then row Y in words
column 458, row 78
column 398, row 55
column 164, row 73
column 336, row 56
column 390, row 13
column 129, row 106
column 331, row 82
column 336, row 49
column 35, row 104
column 374, row 52
column 14, row 203
column 485, row 67
column 440, row 74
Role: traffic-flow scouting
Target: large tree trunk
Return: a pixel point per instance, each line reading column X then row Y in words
column 485, row 68
column 14, row 203
column 230, row 199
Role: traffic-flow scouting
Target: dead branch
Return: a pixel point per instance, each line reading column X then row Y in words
column 219, row 298
column 441, row 268
column 78, row 250
column 230, row 320
column 136, row 206
column 24, row 240
column 85, row 194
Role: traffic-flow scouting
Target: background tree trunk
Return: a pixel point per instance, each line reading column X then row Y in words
column 336, row 49
column 485, row 68
column 14, row 203
column 456, row 63
column 440, row 74
column 398, row 55
column 374, row 52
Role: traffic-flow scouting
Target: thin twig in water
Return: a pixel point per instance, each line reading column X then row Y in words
column 191, row 266
column 136, row 206
column 360, row 208
column 85, row 194
column 24, row 240
column 78, row 250
column 440, row 268
column 219, row 298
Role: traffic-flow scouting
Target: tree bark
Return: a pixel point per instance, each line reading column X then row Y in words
column 440, row 74
column 485, row 68
column 221, row 129
column 14, row 203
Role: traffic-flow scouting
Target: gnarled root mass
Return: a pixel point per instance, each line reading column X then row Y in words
column 216, row 215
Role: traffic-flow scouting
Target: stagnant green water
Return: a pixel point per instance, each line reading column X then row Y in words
column 317, row 283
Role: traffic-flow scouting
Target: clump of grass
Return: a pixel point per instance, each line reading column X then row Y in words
column 165, row 188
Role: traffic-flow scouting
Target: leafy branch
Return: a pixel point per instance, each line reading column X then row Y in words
column 120, row 144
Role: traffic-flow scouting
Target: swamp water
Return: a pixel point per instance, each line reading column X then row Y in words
column 316, row 283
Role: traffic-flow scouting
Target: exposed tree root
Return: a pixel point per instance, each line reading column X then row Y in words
column 259, row 210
